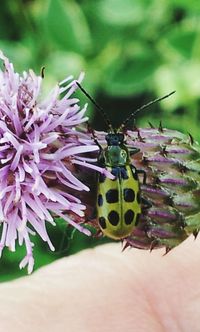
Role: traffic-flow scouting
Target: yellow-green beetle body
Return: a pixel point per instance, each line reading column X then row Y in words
column 118, row 200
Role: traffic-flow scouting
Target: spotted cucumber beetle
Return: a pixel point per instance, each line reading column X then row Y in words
column 119, row 203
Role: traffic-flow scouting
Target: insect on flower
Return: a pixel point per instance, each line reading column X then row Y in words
column 119, row 202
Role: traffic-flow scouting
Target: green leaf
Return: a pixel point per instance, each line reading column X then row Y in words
column 20, row 55
column 62, row 64
column 182, row 40
column 120, row 12
column 66, row 26
column 127, row 76
column 192, row 6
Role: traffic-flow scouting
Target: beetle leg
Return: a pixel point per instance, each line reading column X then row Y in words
column 133, row 151
column 92, row 216
column 141, row 171
column 146, row 203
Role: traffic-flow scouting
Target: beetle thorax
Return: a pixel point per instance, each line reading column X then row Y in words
column 116, row 156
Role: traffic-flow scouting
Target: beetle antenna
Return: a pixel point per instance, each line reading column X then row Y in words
column 99, row 108
column 125, row 122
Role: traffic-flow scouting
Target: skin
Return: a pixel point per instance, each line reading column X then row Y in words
column 103, row 289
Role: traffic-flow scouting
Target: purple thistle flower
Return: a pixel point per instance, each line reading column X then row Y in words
column 39, row 146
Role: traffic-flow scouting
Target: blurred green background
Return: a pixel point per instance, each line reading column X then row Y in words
column 131, row 51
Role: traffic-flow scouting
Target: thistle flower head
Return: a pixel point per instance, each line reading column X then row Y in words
column 39, row 147
column 171, row 196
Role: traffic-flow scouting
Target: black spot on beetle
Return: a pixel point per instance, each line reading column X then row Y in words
column 100, row 200
column 113, row 218
column 129, row 216
column 129, row 195
column 102, row 222
column 112, row 196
